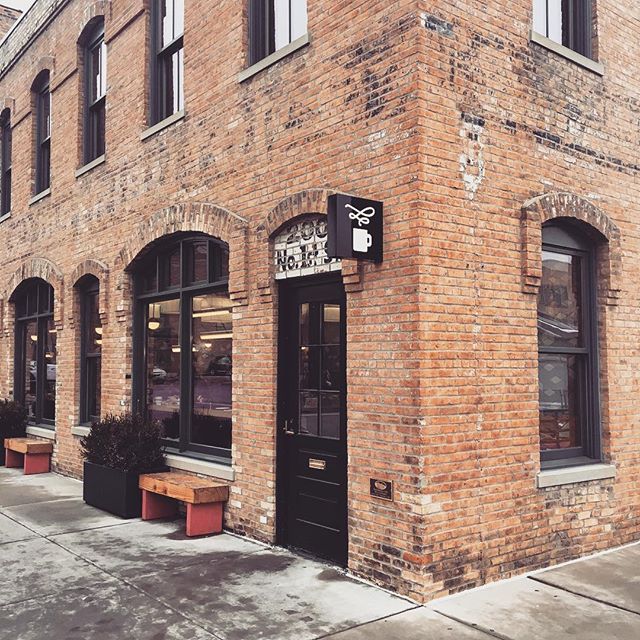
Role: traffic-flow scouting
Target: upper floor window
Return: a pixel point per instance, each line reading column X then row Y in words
column 167, row 85
column 274, row 24
column 5, row 162
column 95, row 91
column 567, row 22
column 568, row 348
column 42, row 99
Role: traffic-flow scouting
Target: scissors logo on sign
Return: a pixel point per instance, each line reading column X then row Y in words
column 361, row 216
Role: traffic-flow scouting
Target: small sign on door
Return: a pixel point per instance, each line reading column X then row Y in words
column 354, row 227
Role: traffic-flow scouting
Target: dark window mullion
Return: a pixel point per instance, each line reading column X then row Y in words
column 186, row 395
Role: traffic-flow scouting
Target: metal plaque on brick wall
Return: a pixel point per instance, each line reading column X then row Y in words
column 301, row 249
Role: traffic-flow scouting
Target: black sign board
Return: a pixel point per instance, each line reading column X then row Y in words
column 354, row 228
column 382, row 489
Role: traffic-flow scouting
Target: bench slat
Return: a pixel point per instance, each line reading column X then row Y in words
column 184, row 487
column 28, row 445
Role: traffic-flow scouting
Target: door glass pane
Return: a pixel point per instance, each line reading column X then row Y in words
column 163, row 365
column 308, row 418
column 560, row 301
column 309, row 368
column 560, row 400
column 331, row 324
column 330, row 415
column 50, row 356
column 212, row 330
column 331, row 377
column 309, row 323
column 30, row 366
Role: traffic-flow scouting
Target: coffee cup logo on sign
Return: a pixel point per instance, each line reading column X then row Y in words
column 362, row 239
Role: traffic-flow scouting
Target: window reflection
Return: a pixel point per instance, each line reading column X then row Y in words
column 212, row 366
column 163, row 365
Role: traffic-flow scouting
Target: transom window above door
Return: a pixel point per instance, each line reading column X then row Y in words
column 184, row 333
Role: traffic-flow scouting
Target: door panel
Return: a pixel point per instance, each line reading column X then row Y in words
column 312, row 461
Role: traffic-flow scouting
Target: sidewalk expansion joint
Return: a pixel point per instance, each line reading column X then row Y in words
column 583, row 595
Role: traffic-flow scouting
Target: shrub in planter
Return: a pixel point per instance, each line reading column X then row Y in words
column 116, row 451
column 13, row 423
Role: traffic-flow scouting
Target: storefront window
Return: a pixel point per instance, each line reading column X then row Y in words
column 185, row 332
column 36, row 351
column 91, row 356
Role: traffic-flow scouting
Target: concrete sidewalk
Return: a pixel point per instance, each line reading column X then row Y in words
column 71, row 572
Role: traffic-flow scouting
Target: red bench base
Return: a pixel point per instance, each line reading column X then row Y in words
column 33, row 462
column 202, row 519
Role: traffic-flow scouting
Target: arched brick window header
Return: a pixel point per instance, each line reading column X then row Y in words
column 100, row 271
column 45, row 270
column 550, row 206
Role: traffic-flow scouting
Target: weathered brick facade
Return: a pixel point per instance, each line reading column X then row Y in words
column 473, row 136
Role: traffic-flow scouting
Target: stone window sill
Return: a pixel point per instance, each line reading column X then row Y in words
column 90, row 165
column 42, row 432
column 571, row 475
column 40, row 196
column 276, row 56
column 5, row 216
column 163, row 124
column 80, row 431
column 202, row 467
column 567, row 53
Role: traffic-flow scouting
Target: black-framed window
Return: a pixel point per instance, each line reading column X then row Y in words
column 568, row 348
column 95, row 93
column 167, row 86
column 183, row 343
column 567, row 22
column 5, row 162
column 36, row 351
column 90, row 350
column 273, row 24
column 42, row 99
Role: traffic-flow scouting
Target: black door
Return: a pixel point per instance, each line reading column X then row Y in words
column 312, row 452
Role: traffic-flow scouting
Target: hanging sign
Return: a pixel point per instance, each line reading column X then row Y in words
column 354, row 228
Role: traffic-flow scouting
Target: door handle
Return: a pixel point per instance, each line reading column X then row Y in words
column 287, row 430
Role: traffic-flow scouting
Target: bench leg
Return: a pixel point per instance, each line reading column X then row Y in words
column 13, row 459
column 36, row 463
column 155, row 506
column 203, row 519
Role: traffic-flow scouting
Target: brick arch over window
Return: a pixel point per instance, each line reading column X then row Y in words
column 97, row 9
column 307, row 202
column 100, row 271
column 36, row 268
column 541, row 209
column 204, row 218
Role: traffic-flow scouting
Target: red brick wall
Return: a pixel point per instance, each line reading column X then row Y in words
column 453, row 118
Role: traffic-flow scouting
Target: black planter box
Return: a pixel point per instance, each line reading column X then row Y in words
column 112, row 490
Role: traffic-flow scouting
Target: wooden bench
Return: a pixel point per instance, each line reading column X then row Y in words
column 204, row 498
column 34, row 455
